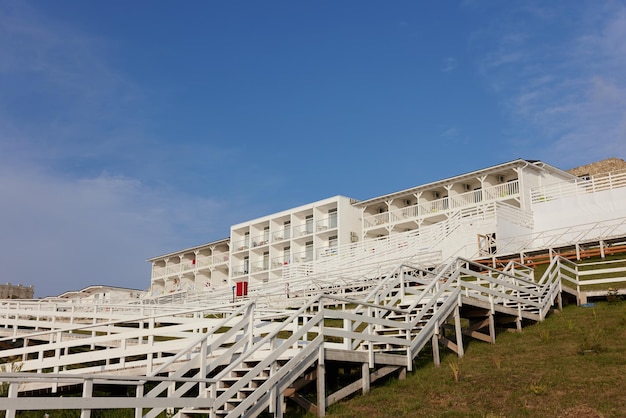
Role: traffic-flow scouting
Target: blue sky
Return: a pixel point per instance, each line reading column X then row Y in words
column 133, row 129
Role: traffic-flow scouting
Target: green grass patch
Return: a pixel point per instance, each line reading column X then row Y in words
column 572, row 364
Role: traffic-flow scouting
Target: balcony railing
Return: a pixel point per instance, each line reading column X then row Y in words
column 327, row 252
column 241, row 245
column 240, row 270
column 261, row 240
column 281, row 235
column 435, row 207
column 326, row 223
column 597, row 183
column 501, row 191
column 262, row 265
column 303, row 257
column 281, row 261
column 302, row 230
column 189, row 265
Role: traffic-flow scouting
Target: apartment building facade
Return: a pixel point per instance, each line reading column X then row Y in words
column 460, row 215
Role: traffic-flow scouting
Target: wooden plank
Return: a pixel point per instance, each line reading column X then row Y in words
column 358, row 385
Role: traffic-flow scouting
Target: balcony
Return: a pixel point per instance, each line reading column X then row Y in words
column 278, row 262
column 259, row 266
column 303, row 257
column 281, row 235
column 200, row 263
column 241, row 245
column 260, row 240
column 240, row 270
column 326, row 223
column 440, row 206
column 327, row 252
column 303, row 230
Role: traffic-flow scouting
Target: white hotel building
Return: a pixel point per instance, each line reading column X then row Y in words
column 472, row 215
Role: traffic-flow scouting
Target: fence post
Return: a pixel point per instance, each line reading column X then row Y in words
column 459, row 332
column 87, row 393
column 321, row 383
column 138, row 395
column 13, row 389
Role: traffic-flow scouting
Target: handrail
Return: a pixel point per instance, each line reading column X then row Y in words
column 562, row 236
column 597, row 183
column 428, row 298
column 81, row 327
column 434, row 207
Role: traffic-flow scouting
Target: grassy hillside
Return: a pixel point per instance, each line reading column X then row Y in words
column 571, row 365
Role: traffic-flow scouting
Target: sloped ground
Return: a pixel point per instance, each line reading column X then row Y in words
column 571, row 365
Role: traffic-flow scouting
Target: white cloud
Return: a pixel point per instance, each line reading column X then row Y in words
column 450, row 133
column 562, row 84
column 60, row 96
column 78, row 201
column 449, row 64
column 63, row 234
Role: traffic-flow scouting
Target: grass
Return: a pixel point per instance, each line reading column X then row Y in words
column 571, row 365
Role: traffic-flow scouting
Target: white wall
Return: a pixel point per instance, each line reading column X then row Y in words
column 579, row 210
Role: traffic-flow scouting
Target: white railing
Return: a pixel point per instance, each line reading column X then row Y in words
column 578, row 234
column 369, row 258
column 302, row 230
column 599, row 277
column 282, row 234
column 241, row 245
column 452, row 203
column 329, row 222
column 192, row 344
column 598, row 183
column 260, row 240
column 515, row 215
column 185, row 266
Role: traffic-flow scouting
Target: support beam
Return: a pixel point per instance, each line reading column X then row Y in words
column 300, row 383
column 357, row 385
column 450, row 345
column 459, row 333
column 365, row 377
column 304, row 403
column 13, row 391
column 435, row 344
column 321, row 385
column 87, row 393
column 280, row 406
column 139, row 394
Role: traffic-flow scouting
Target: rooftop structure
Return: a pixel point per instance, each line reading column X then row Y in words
column 11, row 291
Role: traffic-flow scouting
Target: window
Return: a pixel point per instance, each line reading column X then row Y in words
column 309, row 224
column 287, row 229
column 266, row 260
column 308, row 251
column 333, row 242
column 332, row 218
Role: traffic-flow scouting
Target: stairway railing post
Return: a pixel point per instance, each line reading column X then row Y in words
column 459, row 332
column 87, row 393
